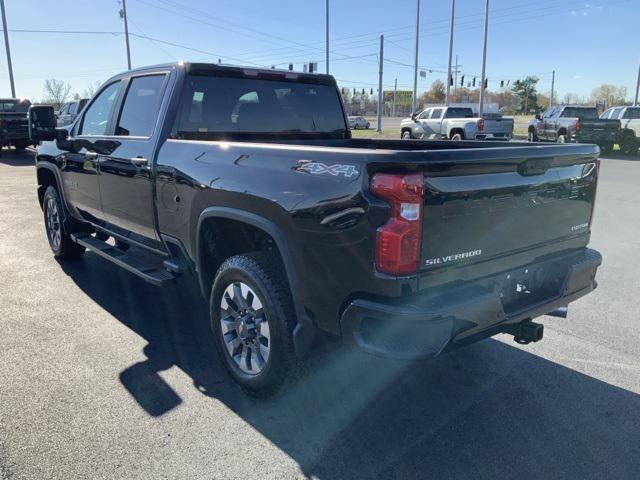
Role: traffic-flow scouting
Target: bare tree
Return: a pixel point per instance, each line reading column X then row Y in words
column 56, row 92
column 91, row 89
column 611, row 94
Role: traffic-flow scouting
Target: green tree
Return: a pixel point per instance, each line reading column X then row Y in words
column 527, row 96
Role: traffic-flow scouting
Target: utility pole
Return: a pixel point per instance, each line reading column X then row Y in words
column 453, row 14
column 380, row 96
column 415, row 63
column 6, row 44
column 395, row 92
column 456, row 72
column 123, row 14
column 635, row 103
column 553, row 84
column 327, row 37
column 484, row 56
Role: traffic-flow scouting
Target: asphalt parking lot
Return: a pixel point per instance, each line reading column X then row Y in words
column 104, row 376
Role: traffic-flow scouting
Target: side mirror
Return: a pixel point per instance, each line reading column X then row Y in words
column 414, row 117
column 538, row 117
column 42, row 123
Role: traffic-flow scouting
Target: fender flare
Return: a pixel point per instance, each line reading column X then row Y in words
column 57, row 176
column 304, row 332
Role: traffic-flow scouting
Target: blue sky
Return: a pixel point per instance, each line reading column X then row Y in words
column 587, row 43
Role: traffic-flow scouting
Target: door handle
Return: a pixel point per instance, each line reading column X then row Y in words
column 140, row 161
column 91, row 155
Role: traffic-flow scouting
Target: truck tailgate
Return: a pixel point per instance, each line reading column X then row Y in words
column 478, row 210
column 498, row 125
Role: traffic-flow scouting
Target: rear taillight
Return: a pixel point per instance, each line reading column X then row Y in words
column 481, row 124
column 2, row 123
column 576, row 125
column 398, row 240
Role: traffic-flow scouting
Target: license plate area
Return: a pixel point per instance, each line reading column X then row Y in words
column 522, row 287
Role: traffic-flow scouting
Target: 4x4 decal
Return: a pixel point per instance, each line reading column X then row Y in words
column 318, row 168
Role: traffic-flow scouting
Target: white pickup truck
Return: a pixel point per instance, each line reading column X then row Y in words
column 456, row 123
column 630, row 122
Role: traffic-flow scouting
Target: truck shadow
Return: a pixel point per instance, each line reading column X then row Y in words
column 16, row 158
column 487, row 411
column 616, row 155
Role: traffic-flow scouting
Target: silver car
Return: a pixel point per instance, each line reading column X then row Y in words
column 357, row 123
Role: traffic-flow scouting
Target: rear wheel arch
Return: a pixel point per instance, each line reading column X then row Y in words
column 456, row 131
column 256, row 234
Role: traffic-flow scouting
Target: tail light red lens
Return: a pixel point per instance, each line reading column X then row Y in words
column 576, row 125
column 398, row 240
column 481, row 124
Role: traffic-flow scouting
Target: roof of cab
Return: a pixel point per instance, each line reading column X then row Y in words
column 234, row 70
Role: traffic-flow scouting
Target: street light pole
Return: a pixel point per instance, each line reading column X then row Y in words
column 484, row 56
column 327, row 35
column 553, row 84
column 395, row 92
column 126, row 31
column 380, row 96
column 453, row 14
column 6, row 44
column 415, row 62
column 637, row 87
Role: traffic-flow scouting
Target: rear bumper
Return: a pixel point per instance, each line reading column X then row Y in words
column 493, row 136
column 427, row 324
column 594, row 137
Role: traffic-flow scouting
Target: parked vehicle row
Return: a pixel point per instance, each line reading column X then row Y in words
column 575, row 124
column 298, row 232
column 456, row 123
column 14, row 123
column 629, row 136
column 69, row 111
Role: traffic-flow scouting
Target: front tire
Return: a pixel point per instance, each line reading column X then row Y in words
column 406, row 135
column 57, row 221
column 252, row 318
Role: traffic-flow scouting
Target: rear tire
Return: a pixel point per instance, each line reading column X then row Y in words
column 532, row 137
column 628, row 145
column 252, row 318
column 457, row 137
column 57, row 222
column 606, row 148
column 561, row 139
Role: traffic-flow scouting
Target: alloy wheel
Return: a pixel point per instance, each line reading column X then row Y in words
column 245, row 328
column 54, row 231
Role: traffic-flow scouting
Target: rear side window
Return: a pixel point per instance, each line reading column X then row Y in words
column 216, row 108
column 580, row 112
column 615, row 115
column 459, row 113
column 140, row 107
column 632, row 113
column 96, row 118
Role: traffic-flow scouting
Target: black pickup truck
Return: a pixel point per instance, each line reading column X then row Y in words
column 250, row 180
column 13, row 123
column 575, row 124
